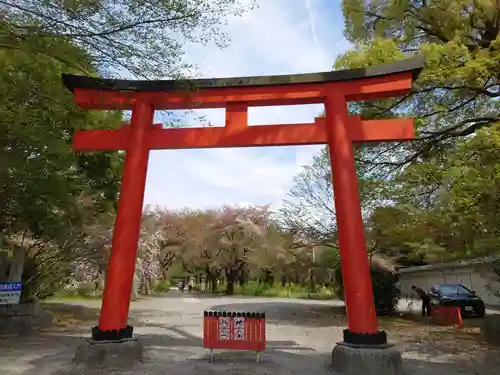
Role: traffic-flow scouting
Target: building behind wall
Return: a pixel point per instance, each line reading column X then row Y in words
column 482, row 276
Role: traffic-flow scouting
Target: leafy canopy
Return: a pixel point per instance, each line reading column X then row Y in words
column 144, row 38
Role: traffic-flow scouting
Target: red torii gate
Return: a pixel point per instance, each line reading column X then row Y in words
column 337, row 129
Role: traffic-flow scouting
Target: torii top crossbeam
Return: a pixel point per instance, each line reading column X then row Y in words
column 337, row 129
column 356, row 84
column 236, row 95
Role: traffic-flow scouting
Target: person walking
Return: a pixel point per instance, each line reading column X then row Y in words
column 426, row 300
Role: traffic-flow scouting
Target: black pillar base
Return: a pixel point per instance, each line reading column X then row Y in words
column 366, row 340
column 112, row 335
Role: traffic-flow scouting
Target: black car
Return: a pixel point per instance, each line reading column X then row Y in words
column 458, row 295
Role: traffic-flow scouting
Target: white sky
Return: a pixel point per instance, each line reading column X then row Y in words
column 280, row 37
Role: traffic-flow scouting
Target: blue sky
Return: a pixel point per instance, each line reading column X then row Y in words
column 279, row 37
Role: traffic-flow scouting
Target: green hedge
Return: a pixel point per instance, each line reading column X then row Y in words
column 84, row 291
column 253, row 288
column 385, row 294
column 163, row 286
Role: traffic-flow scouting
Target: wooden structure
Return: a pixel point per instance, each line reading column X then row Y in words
column 235, row 331
column 337, row 129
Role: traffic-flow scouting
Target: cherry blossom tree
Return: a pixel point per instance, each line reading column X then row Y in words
column 163, row 235
column 240, row 231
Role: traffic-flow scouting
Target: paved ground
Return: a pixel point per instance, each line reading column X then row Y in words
column 301, row 335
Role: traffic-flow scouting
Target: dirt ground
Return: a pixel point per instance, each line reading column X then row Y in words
column 300, row 333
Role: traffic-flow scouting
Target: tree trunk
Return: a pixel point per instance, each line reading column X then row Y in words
column 230, row 279
column 148, row 286
column 135, row 287
column 243, row 278
column 283, row 281
column 102, row 280
column 311, row 281
column 4, row 265
column 213, row 283
column 213, row 286
column 164, row 274
column 230, row 288
column 269, row 277
column 17, row 265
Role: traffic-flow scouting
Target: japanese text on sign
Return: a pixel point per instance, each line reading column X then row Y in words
column 239, row 328
column 224, row 328
column 10, row 293
column 231, row 328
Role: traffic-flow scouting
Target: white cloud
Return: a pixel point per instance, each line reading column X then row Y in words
column 312, row 23
column 280, row 37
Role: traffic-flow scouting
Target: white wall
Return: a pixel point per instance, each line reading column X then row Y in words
column 472, row 277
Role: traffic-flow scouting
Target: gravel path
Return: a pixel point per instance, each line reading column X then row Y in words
column 301, row 335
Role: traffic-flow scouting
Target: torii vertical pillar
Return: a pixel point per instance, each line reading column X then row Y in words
column 353, row 256
column 120, row 275
column 113, row 327
column 365, row 349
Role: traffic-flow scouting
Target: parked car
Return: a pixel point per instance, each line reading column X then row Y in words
column 458, row 295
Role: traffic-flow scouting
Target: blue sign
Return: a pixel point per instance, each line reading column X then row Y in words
column 10, row 293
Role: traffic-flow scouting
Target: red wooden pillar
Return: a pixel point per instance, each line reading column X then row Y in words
column 353, row 256
column 120, row 275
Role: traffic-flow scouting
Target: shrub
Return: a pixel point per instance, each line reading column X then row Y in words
column 322, row 293
column 163, row 286
column 385, row 293
column 82, row 291
column 253, row 288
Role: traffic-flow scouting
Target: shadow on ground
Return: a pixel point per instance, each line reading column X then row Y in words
column 76, row 318
column 415, row 336
column 420, row 335
column 427, row 339
column 50, row 354
column 175, row 351
column 169, row 348
column 71, row 317
column 484, row 366
column 178, row 294
column 176, row 336
column 292, row 313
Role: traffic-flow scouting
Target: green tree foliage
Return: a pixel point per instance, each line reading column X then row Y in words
column 77, row 254
column 458, row 91
column 456, row 96
column 43, row 181
column 434, row 198
column 41, row 175
column 144, row 38
column 460, row 218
